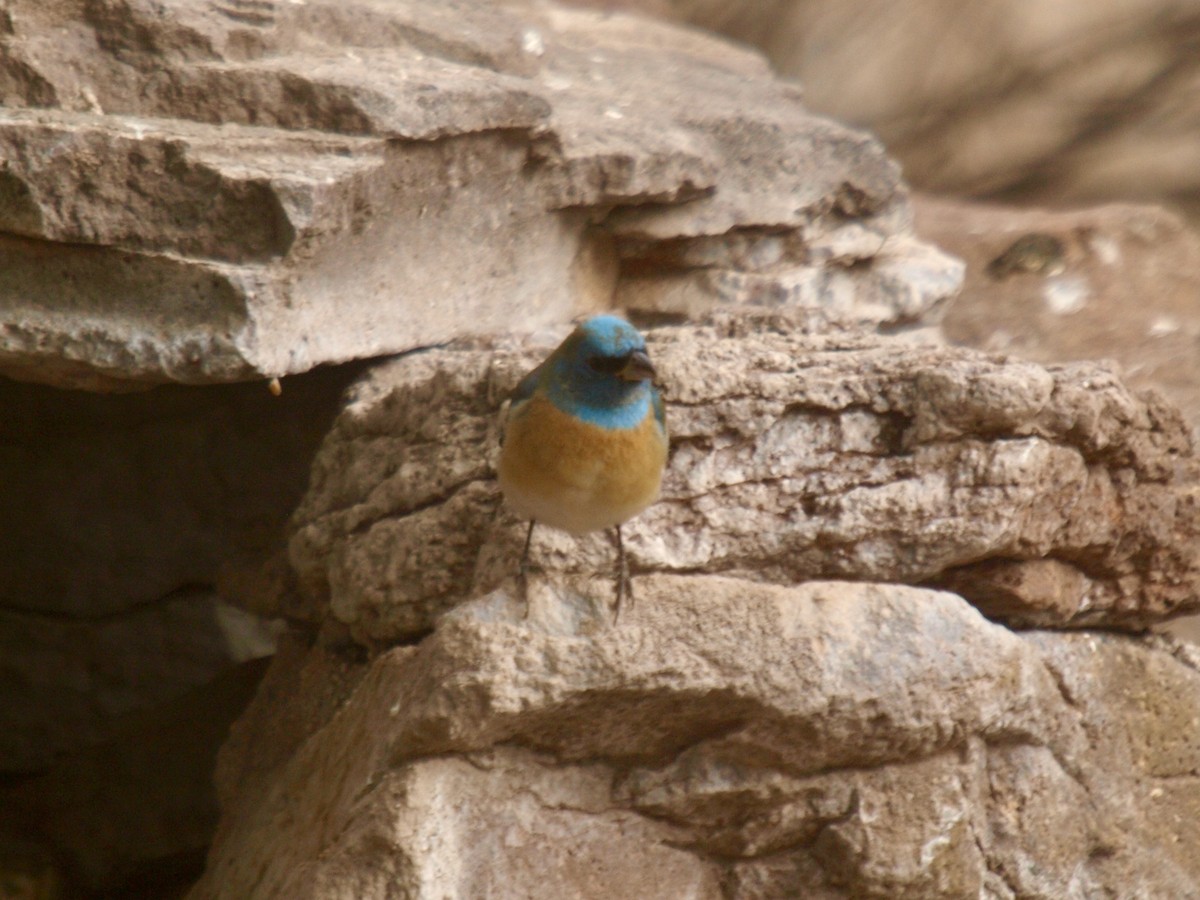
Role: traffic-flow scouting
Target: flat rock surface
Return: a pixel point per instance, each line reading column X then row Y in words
column 229, row 191
column 1050, row 495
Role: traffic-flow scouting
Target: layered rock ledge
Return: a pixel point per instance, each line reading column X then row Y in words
column 1048, row 495
column 749, row 732
column 229, row 191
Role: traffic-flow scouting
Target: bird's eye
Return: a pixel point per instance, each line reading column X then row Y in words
column 609, row 365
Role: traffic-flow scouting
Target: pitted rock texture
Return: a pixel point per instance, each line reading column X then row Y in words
column 726, row 739
column 1045, row 495
column 225, row 191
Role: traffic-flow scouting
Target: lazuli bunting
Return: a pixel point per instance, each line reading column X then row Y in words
column 585, row 440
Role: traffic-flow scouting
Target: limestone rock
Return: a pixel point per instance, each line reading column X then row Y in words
column 201, row 193
column 1137, row 702
column 248, row 188
column 727, row 738
column 1046, row 495
column 1114, row 282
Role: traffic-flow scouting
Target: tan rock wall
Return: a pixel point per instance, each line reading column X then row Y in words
column 783, row 736
column 822, row 688
column 794, row 456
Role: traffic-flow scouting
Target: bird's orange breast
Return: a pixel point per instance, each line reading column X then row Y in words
column 571, row 474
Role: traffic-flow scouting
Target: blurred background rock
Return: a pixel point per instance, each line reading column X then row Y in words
column 1076, row 102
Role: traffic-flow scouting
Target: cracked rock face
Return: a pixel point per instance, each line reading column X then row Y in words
column 226, row 191
column 727, row 739
column 1113, row 282
column 1045, row 495
column 817, row 691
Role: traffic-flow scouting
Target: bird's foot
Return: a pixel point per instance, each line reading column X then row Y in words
column 523, row 587
column 624, row 594
column 624, row 581
column 523, row 569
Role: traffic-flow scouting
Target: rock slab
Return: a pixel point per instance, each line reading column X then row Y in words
column 1115, row 282
column 727, row 739
column 230, row 191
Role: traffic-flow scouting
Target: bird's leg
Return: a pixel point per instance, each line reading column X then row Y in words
column 523, row 568
column 624, row 583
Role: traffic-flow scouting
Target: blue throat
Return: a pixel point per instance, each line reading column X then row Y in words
column 604, row 401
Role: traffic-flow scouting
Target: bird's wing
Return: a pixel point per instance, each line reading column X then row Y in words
column 523, row 391
column 527, row 385
column 660, row 411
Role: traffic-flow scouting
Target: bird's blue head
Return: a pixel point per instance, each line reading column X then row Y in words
column 601, row 373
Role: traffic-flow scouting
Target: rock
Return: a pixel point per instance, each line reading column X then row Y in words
column 131, row 523
column 515, row 826
column 1045, row 495
column 1137, row 702
column 134, row 533
column 150, row 493
column 728, row 738
column 1115, row 282
column 65, row 684
column 132, row 814
column 241, row 190
column 230, row 192
column 1090, row 104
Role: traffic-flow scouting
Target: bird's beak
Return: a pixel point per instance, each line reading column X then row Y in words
column 638, row 368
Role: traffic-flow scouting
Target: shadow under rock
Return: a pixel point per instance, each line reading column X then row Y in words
column 121, row 668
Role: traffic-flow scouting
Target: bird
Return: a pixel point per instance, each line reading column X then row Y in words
column 584, row 439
